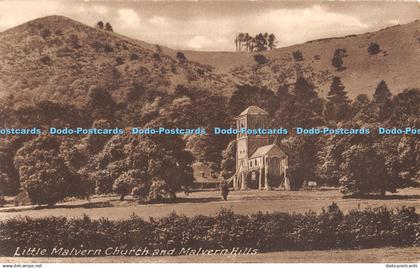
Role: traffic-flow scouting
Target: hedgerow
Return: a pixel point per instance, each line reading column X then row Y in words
column 330, row 229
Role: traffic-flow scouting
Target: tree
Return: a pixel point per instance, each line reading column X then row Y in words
column 229, row 160
column 181, row 57
column 360, row 104
column 405, row 106
column 100, row 103
column 272, row 41
column 409, row 159
column 100, row 25
column 282, row 91
column 337, row 62
column 240, row 38
column 382, row 101
column 337, row 107
column 331, row 154
column 43, row 173
column 364, row 170
column 261, row 42
column 148, row 159
column 247, row 95
column 301, row 108
column 374, row 48
column 297, row 55
column 124, row 184
column 103, row 181
column 382, row 93
column 304, row 90
column 108, row 27
column 302, row 152
column 249, row 42
column 4, row 183
column 9, row 179
column 119, row 60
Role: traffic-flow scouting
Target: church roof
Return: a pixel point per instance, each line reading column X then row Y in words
column 272, row 149
column 253, row 110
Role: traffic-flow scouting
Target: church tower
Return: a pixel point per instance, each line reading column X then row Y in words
column 252, row 118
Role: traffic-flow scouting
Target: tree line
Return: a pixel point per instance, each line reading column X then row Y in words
column 259, row 42
column 104, row 26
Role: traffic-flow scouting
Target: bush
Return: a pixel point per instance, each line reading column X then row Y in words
column 99, row 47
column 181, row 57
column 297, row 55
column 331, row 229
column 119, row 61
column 374, row 48
column 260, row 59
column 45, row 33
column 337, row 62
column 46, row 60
column 134, row 56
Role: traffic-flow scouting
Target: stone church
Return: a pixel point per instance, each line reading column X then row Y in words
column 259, row 164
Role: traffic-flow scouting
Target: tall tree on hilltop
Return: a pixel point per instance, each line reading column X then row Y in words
column 261, row 41
column 272, row 42
column 100, row 25
column 108, row 27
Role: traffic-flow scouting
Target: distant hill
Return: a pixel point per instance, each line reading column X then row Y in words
column 58, row 58
column 397, row 63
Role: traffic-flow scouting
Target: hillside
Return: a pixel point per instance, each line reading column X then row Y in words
column 60, row 59
column 397, row 63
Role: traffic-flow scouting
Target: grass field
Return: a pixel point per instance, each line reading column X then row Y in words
column 375, row 255
column 209, row 202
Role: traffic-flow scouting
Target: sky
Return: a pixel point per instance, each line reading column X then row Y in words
column 213, row 25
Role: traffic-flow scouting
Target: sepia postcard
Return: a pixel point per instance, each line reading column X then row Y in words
column 210, row 132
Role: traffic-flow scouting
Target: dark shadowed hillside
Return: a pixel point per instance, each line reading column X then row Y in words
column 60, row 59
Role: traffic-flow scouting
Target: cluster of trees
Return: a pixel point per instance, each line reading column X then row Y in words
column 50, row 168
column 104, row 26
column 258, row 43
